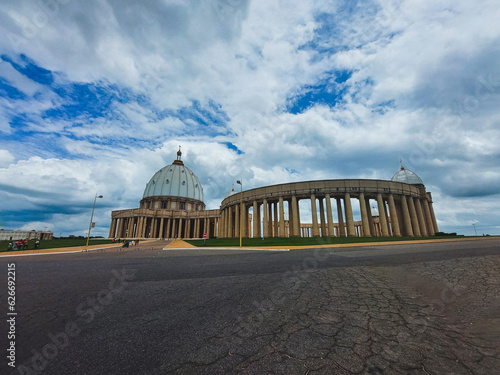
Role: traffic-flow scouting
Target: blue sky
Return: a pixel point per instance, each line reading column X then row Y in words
column 95, row 97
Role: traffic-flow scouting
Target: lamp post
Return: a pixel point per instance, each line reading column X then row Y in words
column 241, row 207
column 91, row 218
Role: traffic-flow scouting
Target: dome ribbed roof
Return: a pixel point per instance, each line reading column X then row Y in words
column 174, row 180
column 407, row 176
column 232, row 192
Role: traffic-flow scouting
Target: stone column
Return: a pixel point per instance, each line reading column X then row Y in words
column 255, row 220
column 145, row 231
column 340, row 216
column 322, row 217
column 265, row 213
column 153, row 227
column 227, row 230
column 229, row 223
column 295, row 215
column 180, row 228
column 414, row 219
column 260, row 219
column 315, row 228
column 329, row 216
column 237, row 220
column 112, row 229
column 434, row 221
column 290, row 218
column 282, row 219
column 125, row 227
column 351, row 231
column 370, row 218
column 130, row 226
column 188, row 229
column 276, row 219
column 249, row 223
column 421, row 219
column 161, row 227
column 406, row 217
column 138, row 227
column 119, row 229
column 205, row 225
column 221, row 225
column 167, row 234
column 244, row 222
column 394, row 217
column 173, row 229
column 383, row 218
column 428, row 218
column 298, row 215
column 270, row 220
column 126, row 224
column 144, row 227
column 364, row 215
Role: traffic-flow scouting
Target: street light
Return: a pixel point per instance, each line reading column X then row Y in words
column 91, row 218
column 241, row 207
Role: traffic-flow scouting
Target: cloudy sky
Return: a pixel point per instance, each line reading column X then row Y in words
column 96, row 96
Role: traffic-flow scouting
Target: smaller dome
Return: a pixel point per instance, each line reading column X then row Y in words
column 407, row 176
column 232, row 192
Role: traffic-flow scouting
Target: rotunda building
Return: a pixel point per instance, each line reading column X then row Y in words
column 171, row 207
column 404, row 208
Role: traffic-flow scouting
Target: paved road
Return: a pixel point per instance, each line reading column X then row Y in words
column 404, row 309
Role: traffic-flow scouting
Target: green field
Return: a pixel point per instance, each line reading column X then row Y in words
column 304, row 241
column 56, row 243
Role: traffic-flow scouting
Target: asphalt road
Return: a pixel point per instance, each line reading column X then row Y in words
column 403, row 309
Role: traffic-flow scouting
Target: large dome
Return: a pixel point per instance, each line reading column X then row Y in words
column 407, row 176
column 174, row 180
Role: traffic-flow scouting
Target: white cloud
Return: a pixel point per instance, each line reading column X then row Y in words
column 5, row 158
column 431, row 65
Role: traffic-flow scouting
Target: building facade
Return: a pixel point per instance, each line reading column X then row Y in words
column 172, row 207
column 15, row 235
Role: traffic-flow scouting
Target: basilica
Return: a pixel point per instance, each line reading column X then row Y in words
column 172, row 207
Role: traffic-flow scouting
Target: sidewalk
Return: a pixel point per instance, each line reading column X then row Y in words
column 60, row 250
column 180, row 244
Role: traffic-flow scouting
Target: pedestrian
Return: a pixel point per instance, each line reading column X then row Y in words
column 25, row 244
column 37, row 243
column 10, row 246
column 14, row 245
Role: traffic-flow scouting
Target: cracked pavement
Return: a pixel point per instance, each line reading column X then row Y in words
column 402, row 309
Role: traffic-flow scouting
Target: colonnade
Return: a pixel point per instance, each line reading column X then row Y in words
column 404, row 210
column 172, row 226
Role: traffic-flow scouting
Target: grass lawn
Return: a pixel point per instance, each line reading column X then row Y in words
column 303, row 241
column 56, row 243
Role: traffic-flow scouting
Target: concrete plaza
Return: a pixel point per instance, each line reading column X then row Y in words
column 400, row 309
